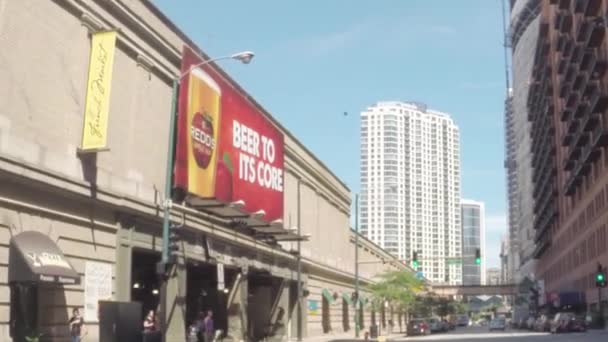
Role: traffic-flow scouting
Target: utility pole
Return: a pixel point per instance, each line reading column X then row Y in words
column 299, row 313
column 357, row 302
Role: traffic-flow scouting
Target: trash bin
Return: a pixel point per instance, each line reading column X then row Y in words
column 373, row 331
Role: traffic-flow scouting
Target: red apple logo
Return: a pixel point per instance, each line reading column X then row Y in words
column 203, row 143
column 223, row 179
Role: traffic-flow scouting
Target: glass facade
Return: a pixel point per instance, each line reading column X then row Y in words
column 473, row 236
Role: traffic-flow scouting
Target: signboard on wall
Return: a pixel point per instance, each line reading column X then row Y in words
column 99, row 84
column 227, row 150
column 313, row 307
column 97, row 286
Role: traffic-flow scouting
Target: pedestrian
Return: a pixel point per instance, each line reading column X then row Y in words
column 76, row 326
column 200, row 326
column 209, row 330
column 150, row 327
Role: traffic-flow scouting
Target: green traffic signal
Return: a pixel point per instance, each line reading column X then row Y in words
column 600, row 277
column 415, row 263
column 478, row 261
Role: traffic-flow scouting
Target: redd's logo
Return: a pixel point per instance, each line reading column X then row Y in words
column 203, row 143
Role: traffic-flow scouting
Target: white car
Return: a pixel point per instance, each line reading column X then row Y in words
column 498, row 324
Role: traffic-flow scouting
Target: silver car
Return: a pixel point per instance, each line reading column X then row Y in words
column 498, row 324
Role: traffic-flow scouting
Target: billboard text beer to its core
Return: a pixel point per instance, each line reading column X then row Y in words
column 227, row 150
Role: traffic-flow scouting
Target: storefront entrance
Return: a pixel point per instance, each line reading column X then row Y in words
column 145, row 285
column 37, row 270
column 203, row 294
column 268, row 306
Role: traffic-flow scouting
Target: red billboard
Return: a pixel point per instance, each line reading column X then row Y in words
column 226, row 148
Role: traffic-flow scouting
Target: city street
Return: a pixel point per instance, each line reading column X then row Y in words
column 482, row 333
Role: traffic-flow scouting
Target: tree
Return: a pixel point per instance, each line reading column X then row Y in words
column 398, row 288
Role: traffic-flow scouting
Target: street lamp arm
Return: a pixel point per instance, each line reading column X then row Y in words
column 244, row 57
column 192, row 67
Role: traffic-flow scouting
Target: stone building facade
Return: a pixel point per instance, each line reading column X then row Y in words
column 104, row 210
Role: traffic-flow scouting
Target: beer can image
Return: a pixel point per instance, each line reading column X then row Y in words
column 204, row 117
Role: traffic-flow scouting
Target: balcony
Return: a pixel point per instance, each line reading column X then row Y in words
column 541, row 246
column 590, row 121
column 590, row 154
column 583, row 28
column 577, row 55
column 572, row 101
column 600, row 133
column 568, row 47
column 574, row 153
column 573, row 126
column 564, row 90
column 569, row 165
column 581, row 109
column 597, row 100
column 564, row 24
column 592, row 8
column 566, row 114
column 595, row 34
column 572, row 183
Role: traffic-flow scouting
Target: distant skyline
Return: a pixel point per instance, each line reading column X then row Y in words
column 316, row 60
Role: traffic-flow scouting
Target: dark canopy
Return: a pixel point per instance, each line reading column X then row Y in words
column 34, row 257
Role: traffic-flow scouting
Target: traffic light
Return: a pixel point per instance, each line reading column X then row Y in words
column 600, row 276
column 174, row 241
column 415, row 260
column 478, row 256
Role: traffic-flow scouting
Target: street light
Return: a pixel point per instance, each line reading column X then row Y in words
column 244, row 57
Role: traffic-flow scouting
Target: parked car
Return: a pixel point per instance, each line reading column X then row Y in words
column 416, row 327
column 435, row 324
column 530, row 323
column 568, row 322
column 543, row 323
column 463, row 320
column 498, row 324
column 445, row 325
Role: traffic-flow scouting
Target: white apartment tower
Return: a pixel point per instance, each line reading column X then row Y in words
column 410, row 186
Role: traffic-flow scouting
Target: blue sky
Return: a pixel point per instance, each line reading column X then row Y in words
column 317, row 59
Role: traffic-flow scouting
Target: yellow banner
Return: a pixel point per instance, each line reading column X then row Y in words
column 99, row 84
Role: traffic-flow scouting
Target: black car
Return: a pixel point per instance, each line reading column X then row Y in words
column 417, row 327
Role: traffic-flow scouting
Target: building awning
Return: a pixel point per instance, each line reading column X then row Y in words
column 347, row 298
column 34, row 257
column 327, row 294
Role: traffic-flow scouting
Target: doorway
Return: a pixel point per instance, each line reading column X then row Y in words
column 345, row 316
column 145, row 285
column 203, row 294
column 326, row 322
column 23, row 310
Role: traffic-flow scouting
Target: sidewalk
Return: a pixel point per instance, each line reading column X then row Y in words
column 350, row 336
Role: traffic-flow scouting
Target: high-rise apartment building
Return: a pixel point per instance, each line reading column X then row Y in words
column 524, row 30
column 568, row 111
column 473, row 239
column 410, row 186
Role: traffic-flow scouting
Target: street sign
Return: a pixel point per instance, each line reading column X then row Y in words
column 220, row 277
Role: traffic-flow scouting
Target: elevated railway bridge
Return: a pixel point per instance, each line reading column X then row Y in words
column 474, row 290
